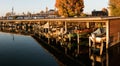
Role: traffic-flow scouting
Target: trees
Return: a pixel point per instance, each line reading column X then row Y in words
column 115, row 7
column 104, row 10
column 8, row 14
column 69, row 8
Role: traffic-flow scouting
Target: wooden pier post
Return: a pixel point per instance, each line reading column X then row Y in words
column 78, row 41
column 118, row 36
column 65, row 27
column 49, row 37
column 107, row 41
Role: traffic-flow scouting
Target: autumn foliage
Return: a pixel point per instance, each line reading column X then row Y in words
column 115, row 7
column 69, row 8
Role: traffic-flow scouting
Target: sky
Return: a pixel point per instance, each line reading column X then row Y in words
column 35, row 6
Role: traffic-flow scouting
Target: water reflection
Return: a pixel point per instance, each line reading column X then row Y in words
column 78, row 52
column 18, row 29
column 18, row 50
column 114, row 55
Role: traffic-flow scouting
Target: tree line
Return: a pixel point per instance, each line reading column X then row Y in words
column 69, row 8
column 114, row 7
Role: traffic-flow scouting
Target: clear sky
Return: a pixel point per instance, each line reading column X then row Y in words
column 35, row 6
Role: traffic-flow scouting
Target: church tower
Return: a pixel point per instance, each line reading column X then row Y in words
column 46, row 9
column 12, row 13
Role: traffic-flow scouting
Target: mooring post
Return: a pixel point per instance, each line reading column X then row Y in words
column 78, row 41
column 65, row 27
column 118, row 36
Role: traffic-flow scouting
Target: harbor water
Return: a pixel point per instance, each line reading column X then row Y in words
column 20, row 50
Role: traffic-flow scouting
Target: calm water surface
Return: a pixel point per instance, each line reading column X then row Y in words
column 19, row 50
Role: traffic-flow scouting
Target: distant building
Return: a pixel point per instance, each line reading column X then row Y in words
column 99, row 13
column 52, row 13
column 43, row 14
